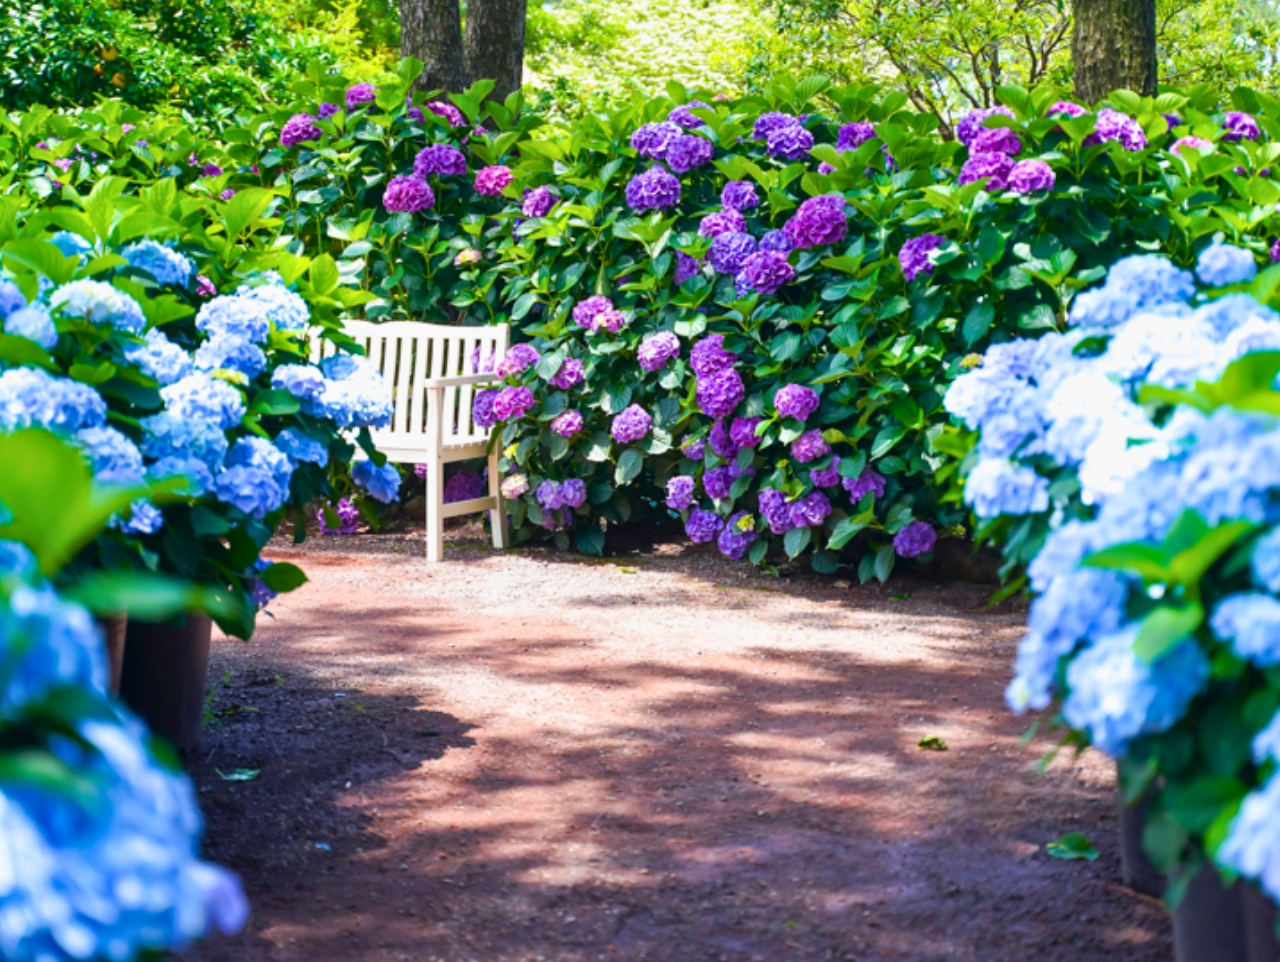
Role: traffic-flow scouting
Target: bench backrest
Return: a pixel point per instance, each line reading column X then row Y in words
column 409, row 354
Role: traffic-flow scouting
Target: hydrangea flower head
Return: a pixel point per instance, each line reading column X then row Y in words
column 789, row 142
column 680, row 492
column 99, row 303
column 651, row 140
column 1031, row 177
column 974, row 123
column 449, row 112
column 915, row 539
column 1240, row 126
column 348, row 518
column 327, row 110
column 586, row 311
column 518, row 359
column 33, row 323
column 796, row 401
column 538, row 202
column 381, row 483
column 997, row 486
column 720, row 392
column 914, row 255
column 729, row 252
column 300, row 129
column 768, row 123
column 686, row 267
column 709, row 356
column 739, row 195
column 654, row 189
column 227, row 352
column 766, row 272
column 1115, row 127
column 727, row 221
column 360, row 94
column 407, row 195
column 854, row 135
column 702, row 526
column 482, row 415
column 688, row 152
column 514, row 485
column 631, row 425
column 513, row 403
column 777, row 240
column 817, row 222
column 743, row 432
column 1065, row 108
column 868, row 482
column 809, row 447
column 996, row 140
column 1135, row 284
column 1223, row 264
column 683, row 115
column 570, row 375
column 1199, row 143
column 166, row 265
column 567, row 423
column 737, row 536
column 492, row 181
column 657, row 350
column 1250, row 623
column 200, row 397
column 442, row 160
column 993, row 168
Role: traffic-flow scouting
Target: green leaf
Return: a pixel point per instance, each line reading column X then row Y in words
column 283, row 577
column 977, row 323
column 1164, row 627
column 991, row 245
column 147, row 596
column 43, row 258
column 629, row 465
column 239, row 774
column 825, row 562
column 324, row 275
column 1072, row 847
column 275, row 401
column 796, row 540
column 845, row 531
column 589, row 540
column 931, row 743
column 885, row 559
column 244, row 209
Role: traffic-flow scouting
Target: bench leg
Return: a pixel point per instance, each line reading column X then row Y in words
column 435, row 512
column 497, row 514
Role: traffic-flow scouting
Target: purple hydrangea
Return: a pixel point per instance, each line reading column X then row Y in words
column 570, row 375
column 611, row 320
column 538, row 202
column 482, row 408
column 657, row 349
column 1199, row 143
column 1275, row 251
column 702, row 526
column 655, row 189
column 975, row 121
column 585, row 312
column 360, row 94
column 408, row 195
column 1172, row 120
column 680, row 492
column 809, row 447
column 727, row 221
column 776, row 240
column 996, row 140
column 1115, row 127
column 768, row 123
column 688, row 152
column 791, row 142
column 795, row 401
column 915, row 539
column 1031, row 177
column 567, row 423
column 914, row 255
column 817, row 222
column 810, row 511
column 492, row 181
column 298, row 129
column 729, row 252
column 717, row 482
column 743, row 432
column 776, row 510
column 739, row 195
column 327, row 110
column 722, row 442
column 992, row 167
column 441, row 159
column 573, row 492
column 549, row 495
column 766, row 272
column 411, row 111
column 210, row 170
column 740, row 287
column 827, row 477
column 513, row 403
column 720, row 392
column 1067, row 108
column 694, row 450
column 737, row 536
column 227, row 194
column 709, row 356
column 651, row 140
column 631, row 425
column 1240, row 126
column 514, row 485
column 348, row 518
column 868, row 482
column 852, row 136
column 683, row 115
column 449, row 112
column 518, row 359
column 686, row 267
column 464, row 486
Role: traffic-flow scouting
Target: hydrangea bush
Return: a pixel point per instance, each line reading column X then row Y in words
column 1145, row 443
column 118, row 349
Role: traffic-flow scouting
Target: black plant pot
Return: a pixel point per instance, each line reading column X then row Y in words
column 114, row 628
column 166, row 668
column 1260, row 918
column 1208, row 925
column 1137, row 870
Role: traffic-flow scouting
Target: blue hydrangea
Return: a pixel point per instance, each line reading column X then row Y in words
column 99, row 303
column 48, row 643
column 29, row 397
column 1115, row 696
column 354, row 394
column 382, row 483
column 1222, row 264
column 227, row 352
column 1135, row 284
column 1250, row 623
column 17, row 560
column 1252, row 845
column 995, row 487
column 1266, row 561
column 1266, row 744
column 33, row 323
column 170, row 436
column 200, row 397
column 299, row 447
column 231, row 314
column 71, row 245
column 255, row 452
column 300, row 380
column 114, row 458
column 160, row 358
column 166, row 265
column 279, row 305
column 11, row 299
column 143, row 518
column 197, row 474
column 251, row 489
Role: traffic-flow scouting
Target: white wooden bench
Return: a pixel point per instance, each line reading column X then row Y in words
column 433, row 371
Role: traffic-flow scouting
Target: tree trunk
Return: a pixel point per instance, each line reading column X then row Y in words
column 431, row 30
column 495, row 44
column 1113, row 47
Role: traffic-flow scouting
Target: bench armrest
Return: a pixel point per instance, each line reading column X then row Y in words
column 458, row 381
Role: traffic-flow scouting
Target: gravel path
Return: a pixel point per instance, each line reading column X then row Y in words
column 527, row 756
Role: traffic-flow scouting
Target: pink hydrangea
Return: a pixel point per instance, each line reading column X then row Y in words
column 492, row 181
column 631, row 425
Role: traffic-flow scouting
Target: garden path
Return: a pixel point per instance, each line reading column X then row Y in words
column 529, row 757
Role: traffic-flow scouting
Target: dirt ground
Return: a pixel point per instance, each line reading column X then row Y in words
column 530, row 756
